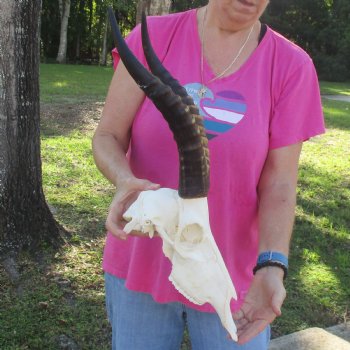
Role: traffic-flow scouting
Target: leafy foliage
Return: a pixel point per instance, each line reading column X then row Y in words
column 86, row 28
column 321, row 27
column 183, row 5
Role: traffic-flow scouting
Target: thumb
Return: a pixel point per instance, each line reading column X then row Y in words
column 277, row 301
column 146, row 185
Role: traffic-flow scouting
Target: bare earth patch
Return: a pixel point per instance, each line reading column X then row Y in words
column 61, row 119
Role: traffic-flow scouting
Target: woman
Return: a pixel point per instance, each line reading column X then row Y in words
column 259, row 97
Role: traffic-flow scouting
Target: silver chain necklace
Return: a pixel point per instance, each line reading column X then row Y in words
column 201, row 92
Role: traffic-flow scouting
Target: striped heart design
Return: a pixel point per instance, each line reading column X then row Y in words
column 222, row 112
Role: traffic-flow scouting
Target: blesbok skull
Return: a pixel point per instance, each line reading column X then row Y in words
column 198, row 270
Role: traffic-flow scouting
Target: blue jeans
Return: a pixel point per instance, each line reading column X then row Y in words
column 140, row 323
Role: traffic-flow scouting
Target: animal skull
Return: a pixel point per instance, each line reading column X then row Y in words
column 198, row 270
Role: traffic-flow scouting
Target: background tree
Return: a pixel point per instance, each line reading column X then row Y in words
column 152, row 7
column 64, row 7
column 321, row 27
column 50, row 30
column 103, row 58
column 25, row 219
column 183, row 5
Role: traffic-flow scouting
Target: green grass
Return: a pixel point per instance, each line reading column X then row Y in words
column 333, row 88
column 73, row 83
column 33, row 315
column 319, row 284
column 64, row 293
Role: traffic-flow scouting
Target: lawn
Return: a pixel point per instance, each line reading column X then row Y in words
column 62, row 294
column 72, row 83
column 334, row 88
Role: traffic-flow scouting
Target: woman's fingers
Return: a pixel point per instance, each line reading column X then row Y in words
column 277, row 301
column 127, row 192
column 251, row 330
column 113, row 225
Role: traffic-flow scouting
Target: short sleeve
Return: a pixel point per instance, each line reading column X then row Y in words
column 297, row 114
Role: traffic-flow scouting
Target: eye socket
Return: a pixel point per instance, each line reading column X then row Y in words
column 192, row 234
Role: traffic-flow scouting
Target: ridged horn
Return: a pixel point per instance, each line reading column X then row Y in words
column 183, row 119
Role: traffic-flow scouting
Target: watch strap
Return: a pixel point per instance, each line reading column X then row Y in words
column 273, row 257
column 271, row 263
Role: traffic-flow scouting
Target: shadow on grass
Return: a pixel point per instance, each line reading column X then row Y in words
column 335, row 88
column 53, row 304
column 337, row 114
column 63, row 119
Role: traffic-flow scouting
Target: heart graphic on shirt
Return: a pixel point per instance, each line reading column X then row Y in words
column 220, row 113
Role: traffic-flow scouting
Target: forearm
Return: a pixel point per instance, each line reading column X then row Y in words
column 112, row 136
column 277, row 199
column 110, row 157
column 276, row 217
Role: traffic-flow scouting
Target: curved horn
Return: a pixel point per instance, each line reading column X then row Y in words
column 139, row 73
column 186, row 126
column 155, row 64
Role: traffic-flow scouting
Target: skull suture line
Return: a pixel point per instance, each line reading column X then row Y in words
column 180, row 217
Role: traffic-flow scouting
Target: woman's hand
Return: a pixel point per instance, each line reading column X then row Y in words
column 127, row 192
column 262, row 303
column 277, row 197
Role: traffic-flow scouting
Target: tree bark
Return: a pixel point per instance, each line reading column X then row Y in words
column 25, row 219
column 64, row 7
column 81, row 15
column 152, row 7
column 103, row 60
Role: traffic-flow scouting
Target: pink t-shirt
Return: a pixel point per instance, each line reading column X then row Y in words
column 272, row 101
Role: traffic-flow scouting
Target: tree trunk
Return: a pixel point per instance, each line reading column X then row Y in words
column 152, row 7
column 25, row 219
column 77, row 49
column 79, row 30
column 64, row 6
column 103, row 60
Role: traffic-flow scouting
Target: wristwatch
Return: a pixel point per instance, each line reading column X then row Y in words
column 271, row 258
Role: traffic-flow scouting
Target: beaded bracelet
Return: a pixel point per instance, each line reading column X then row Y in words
column 271, row 263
